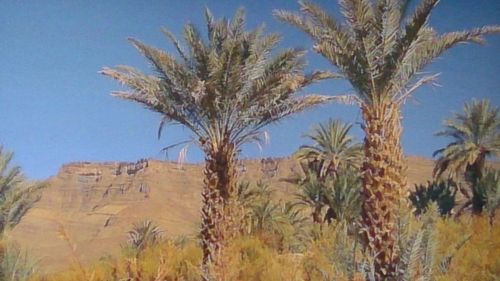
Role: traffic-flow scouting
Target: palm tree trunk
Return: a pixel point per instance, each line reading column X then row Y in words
column 384, row 179
column 474, row 171
column 218, row 210
column 473, row 174
column 316, row 214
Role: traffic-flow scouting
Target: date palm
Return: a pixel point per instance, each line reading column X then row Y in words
column 224, row 88
column 17, row 195
column 143, row 235
column 475, row 137
column 333, row 152
column 382, row 53
column 333, row 148
column 343, row 197
column 313, row 192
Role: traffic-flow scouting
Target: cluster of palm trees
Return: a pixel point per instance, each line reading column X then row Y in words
column 226, row 86
column 330, row 172
column 281, row 225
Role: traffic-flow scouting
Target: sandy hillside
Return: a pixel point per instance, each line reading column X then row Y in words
column 94, row 204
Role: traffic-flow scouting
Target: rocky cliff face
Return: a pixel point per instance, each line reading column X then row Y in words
column 87, row 208
column 97, row 185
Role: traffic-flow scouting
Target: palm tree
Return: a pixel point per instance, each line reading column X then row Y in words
column 17, row 195
column 333, row 148
column 279, row 224
column 343, row 197
column 312, row 193
column 489, row 189
column 475, row 137
column 248, row 196
column 382, row 54
column 144, row 234
column 332, row 153
column 224, row 88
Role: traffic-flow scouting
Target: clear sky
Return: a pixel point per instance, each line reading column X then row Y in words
column 55, row 107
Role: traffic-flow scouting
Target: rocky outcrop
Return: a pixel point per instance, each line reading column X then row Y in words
column 131, row 168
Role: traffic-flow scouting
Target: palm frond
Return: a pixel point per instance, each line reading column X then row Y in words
column 225, row 88
column 333, row 148
column 17, row 195
column 378, row 53
column 475, row 136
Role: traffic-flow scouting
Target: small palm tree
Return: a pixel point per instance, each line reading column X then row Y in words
column 343, row 197
column 333, row 152
column 248, row 196
column 382, row 55
column 488, row 189
column 313, row 194
column 265, row 216
column 280, row 224
column 144, row 234
column 17, row 195
column 333, row 148
column 490, row 185
column 475, row 137
column 442, row 193
column 224, row 88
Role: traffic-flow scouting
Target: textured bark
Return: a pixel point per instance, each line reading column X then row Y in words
column 384, row 179
column 474, row 171
column 316, row 214
column 218, row 201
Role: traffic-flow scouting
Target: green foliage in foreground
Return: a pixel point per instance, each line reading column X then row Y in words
column 143, row 235
column 486, row 193
column 17, row 196
column 15, row 263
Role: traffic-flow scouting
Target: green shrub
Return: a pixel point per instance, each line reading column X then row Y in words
column 443, row 193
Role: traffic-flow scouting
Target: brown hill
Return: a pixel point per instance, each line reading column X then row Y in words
column 87, row 208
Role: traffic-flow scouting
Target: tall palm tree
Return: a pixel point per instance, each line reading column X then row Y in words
column 17, row 195
column 224, row 88
column 475, row 136
column 333, row 148
column 382, row 54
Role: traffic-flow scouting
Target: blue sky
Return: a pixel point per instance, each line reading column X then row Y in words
column 55, row 107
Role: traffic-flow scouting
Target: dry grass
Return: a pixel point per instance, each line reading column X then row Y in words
column 327, row 257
